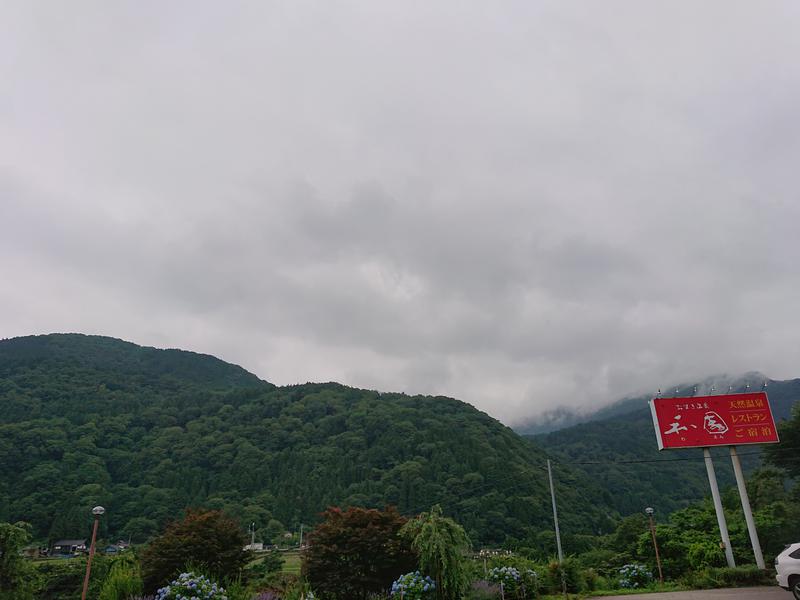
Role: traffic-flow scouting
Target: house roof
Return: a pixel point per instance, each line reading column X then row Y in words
column 70, row 543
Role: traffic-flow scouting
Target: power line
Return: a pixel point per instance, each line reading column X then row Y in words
column 525, row 473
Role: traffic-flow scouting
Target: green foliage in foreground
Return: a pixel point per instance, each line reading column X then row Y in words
column 441, row 545
column 357, row 553
column 17, row 576
column 124, row 580
column 206, row 539
column 724, row 577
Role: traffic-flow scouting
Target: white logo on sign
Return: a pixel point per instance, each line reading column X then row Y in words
column 713, row 423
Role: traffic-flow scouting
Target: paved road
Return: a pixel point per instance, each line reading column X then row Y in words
column 753, row 593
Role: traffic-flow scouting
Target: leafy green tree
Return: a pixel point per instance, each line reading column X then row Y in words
column 357, row 552
column 208, row 539
column 787, row 454
column 140, row 529
column 17, row 577
column 441, row 545
column 625, row 539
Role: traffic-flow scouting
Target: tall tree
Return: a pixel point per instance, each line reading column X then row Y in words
column 355, row 553
column 441, row 545
column 17, row 576
column 205, row 538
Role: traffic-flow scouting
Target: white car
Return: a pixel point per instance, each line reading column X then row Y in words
column 787, row 564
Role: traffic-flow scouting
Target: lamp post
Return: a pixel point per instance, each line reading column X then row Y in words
column 650, row 512
column 96, row 511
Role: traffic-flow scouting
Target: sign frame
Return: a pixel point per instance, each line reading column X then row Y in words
column 718, row 426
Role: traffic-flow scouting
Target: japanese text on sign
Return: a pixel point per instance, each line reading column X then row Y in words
column 726, row 420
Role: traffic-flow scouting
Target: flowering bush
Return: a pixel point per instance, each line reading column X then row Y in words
column 515, row 581
column 508, row 576
column 189, row 586
column 413, row 586
column 634, row 575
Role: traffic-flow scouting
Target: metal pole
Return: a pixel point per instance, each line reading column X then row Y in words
column 723, row 525
column 655, row 544
column 89, row 562
column 555, row 512
column 748, row 513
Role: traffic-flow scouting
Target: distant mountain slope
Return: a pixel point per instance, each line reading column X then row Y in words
column 561, row 418
column 619, row 443
column 104, row 354
column 145, row 433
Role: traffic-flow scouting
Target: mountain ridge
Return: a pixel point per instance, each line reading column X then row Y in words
column 147, row 433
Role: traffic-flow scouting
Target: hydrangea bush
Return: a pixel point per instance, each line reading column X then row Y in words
column 515, row 581
column 634, row 575
column 413, row 586
column 189, row 586
column 508, row 576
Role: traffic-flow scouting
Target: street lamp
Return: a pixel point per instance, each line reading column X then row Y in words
column 96, row 511
column 650, row 512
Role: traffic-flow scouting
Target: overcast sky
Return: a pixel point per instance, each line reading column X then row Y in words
column 518, row 204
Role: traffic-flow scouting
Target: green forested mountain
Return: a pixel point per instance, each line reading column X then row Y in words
column 621, row 452
column 145, row 432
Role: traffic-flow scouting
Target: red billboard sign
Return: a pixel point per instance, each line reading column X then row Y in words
column 701, row 421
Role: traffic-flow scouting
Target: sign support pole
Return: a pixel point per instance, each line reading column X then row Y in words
column 748, row 513
column 723, row 525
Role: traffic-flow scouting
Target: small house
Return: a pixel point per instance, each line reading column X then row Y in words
column 69, row 546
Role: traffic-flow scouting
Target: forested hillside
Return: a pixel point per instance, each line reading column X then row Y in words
column 144, row 432
column 621, row 451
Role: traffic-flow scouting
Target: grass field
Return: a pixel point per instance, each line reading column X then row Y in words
column 291, row 562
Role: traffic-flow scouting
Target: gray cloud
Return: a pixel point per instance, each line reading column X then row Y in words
column 520, row 205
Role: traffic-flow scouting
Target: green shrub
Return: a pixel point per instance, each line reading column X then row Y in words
column 603, row 583
column 726, row 577
column 521, row 577
column 63, row 579
column 569, row 572
column 634, row 575
column 123, row 581
column 591, row 579
column 743, row 576
column 483, row 590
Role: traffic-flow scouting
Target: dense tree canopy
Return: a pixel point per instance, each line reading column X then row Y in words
column 205, row 539
column 146, row 433
column 356, row 553
column 88, row 420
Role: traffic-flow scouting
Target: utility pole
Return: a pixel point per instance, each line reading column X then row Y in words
column 650, row 512
column 301, row 536
column 96, row 511
column 252, row 536
column 558, row 532
column 555, row 513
